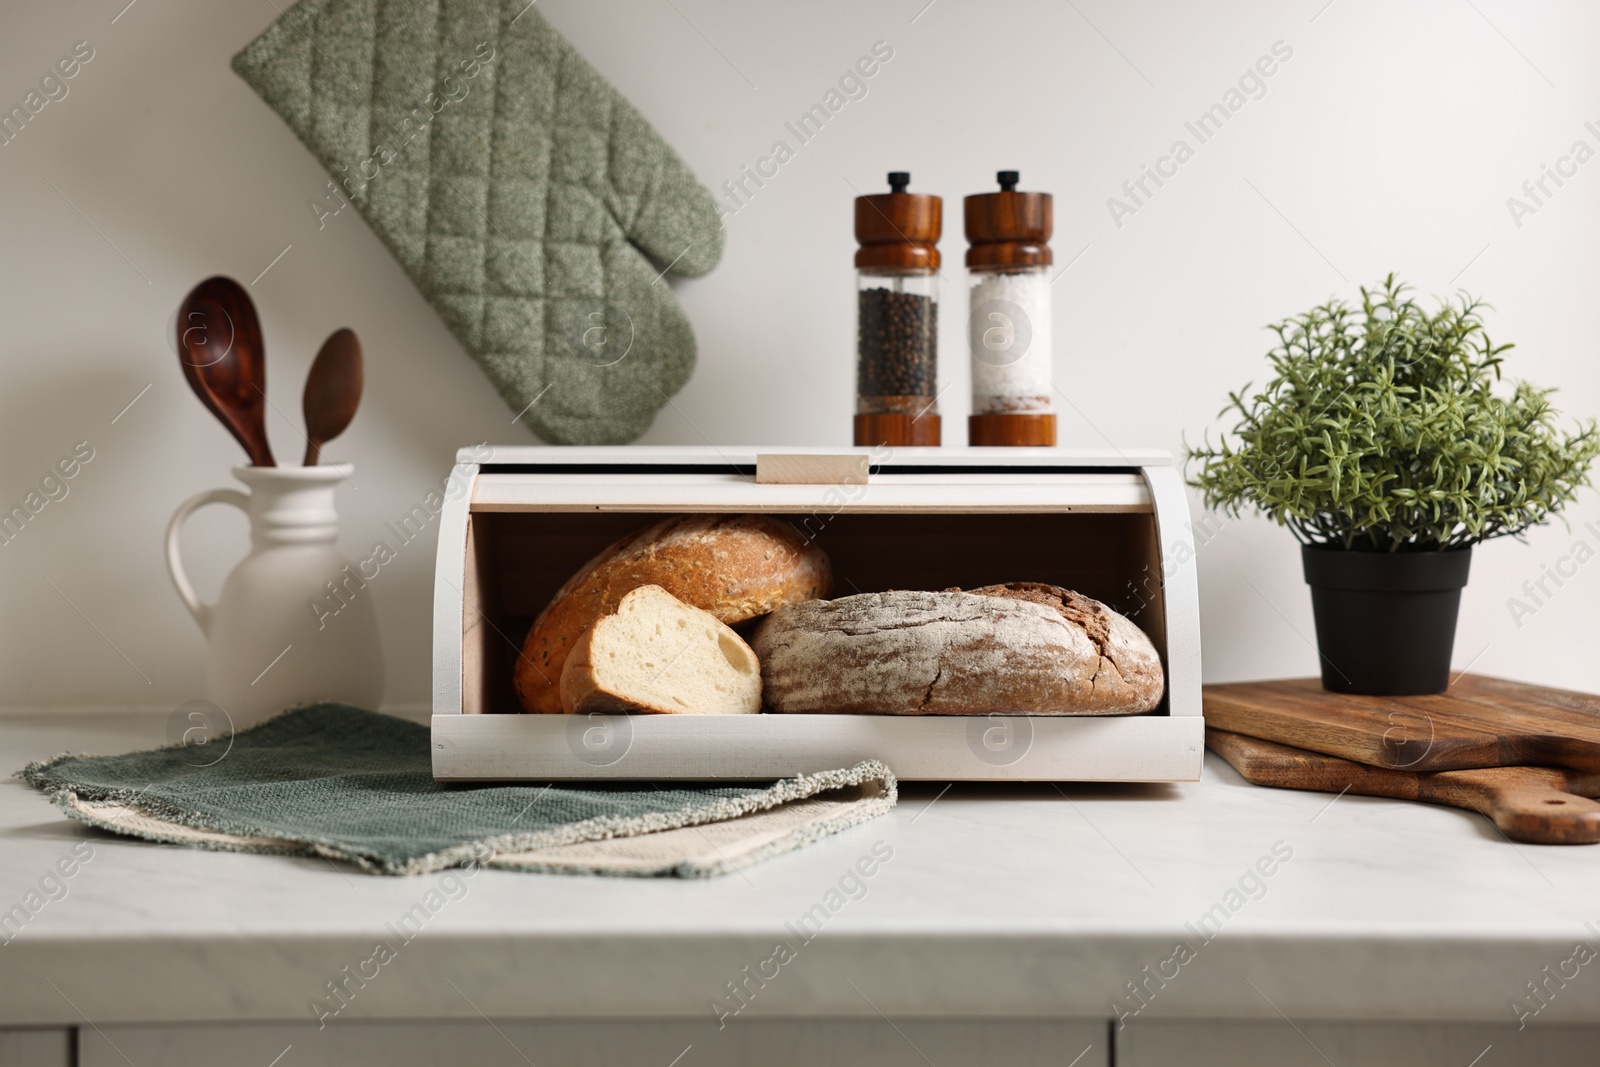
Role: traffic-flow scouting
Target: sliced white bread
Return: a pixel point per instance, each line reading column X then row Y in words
column 657, row 654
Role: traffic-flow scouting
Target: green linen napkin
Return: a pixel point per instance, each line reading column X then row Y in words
column 350, row 784
column 533, row 206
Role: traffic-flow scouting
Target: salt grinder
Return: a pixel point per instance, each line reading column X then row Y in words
column 1008, row 273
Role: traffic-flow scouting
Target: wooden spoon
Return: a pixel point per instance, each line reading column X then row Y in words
column 219, row 345
column 333, row 391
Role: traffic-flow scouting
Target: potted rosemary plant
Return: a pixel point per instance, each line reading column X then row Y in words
column 1386, row 444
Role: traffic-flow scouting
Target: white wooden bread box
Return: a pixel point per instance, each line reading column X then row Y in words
column 521, row 520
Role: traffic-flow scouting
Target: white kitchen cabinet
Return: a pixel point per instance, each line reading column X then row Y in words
column 1278, row 1043
column 770, row 1043
column 41, row 1047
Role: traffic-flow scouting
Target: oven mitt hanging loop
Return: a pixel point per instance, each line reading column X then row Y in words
column 534, row 207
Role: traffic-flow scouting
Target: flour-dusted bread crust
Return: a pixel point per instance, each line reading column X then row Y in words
column 908, row 652
column 1130, row 667
column 737, row 567
column 657, row 654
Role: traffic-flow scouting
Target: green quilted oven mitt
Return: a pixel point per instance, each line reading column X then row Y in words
column 533, row 206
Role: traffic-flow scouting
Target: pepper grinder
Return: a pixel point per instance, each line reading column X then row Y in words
column 1008, row 264
column 897, row 316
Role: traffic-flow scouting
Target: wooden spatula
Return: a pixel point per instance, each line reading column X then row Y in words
column 1539, row 805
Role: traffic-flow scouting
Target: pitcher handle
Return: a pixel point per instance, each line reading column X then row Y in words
column 180, row 580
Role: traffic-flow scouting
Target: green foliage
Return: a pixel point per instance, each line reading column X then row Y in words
column 1381, row 432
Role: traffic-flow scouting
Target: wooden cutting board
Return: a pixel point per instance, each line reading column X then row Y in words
column 1540, row 805
column 1477, row 722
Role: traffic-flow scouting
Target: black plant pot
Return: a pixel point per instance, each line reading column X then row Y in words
column 1386, row 621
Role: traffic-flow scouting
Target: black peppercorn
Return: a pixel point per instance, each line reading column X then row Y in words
column 897, row 344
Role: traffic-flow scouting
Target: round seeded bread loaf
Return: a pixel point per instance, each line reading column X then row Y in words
column 734, row 566
column 909, row 652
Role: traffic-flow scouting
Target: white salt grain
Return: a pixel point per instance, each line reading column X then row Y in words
column 1009, row 329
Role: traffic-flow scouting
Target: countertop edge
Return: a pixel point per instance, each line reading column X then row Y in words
column 73, row 981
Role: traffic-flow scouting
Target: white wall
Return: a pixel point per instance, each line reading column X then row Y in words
column 1389, row 141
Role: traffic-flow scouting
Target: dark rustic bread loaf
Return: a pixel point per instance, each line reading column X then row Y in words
column 921, row 653
column 948, row 653
column 1130, row 663
column 734, row 566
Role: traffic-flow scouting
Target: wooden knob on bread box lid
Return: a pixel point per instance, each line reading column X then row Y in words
column 1008, row 228
column 897, row 228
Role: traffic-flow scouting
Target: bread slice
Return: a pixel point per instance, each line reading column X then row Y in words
column 657, row 654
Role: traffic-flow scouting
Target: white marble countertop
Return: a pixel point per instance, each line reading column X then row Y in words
column 998, row 902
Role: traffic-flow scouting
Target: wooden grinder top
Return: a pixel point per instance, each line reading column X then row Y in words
column 1008, row 228
column 897, row 229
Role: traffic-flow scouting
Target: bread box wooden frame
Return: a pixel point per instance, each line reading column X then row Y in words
column 519, row 520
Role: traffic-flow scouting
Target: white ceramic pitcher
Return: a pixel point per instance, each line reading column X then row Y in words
column 295, row 622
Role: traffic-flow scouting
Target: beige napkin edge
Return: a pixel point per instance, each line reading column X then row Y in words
column 695, row 851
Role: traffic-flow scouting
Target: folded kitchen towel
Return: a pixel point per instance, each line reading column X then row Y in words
column 349, row 784
column 533, row 206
